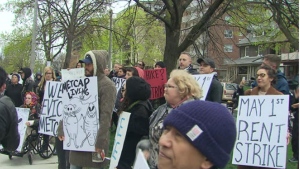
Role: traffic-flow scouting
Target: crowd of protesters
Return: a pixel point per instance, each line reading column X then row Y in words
column 181, row 132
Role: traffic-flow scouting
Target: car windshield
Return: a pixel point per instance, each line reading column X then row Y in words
column 230, row 87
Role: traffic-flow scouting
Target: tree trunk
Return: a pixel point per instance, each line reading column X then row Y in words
column 171, row 53
column 69, row 52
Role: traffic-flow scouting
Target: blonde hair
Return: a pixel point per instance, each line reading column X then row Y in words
column 42, row 83
column 187, row 85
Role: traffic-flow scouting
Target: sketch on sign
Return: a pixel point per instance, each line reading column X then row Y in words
column 80, row 114
column 261, row 131
column 204, row 81
column 23, row 114
column 72, row 73
column 51, row 108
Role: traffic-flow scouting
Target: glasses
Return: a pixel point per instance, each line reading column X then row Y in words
column 48, row 73
column 169, row 86
column 261, row 75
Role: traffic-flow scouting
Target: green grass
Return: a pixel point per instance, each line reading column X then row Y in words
column 289, row 165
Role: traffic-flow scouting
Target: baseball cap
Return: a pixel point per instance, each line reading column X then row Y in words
column 87, row 59
column 208, row 61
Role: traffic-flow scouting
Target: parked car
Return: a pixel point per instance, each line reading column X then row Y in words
column 228, row 90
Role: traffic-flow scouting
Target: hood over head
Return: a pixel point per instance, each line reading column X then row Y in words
column 27, row 72
column 98, row 58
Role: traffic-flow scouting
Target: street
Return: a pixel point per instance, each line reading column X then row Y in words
column 22, row 162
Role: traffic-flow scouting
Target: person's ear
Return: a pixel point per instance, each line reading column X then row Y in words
column 206, row 164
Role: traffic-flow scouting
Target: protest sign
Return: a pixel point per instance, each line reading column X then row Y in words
column 119, row 82
column 119, row 139
column 204, row 81
column 23, row 114
column 80, row 113
column 72, row 73
column 261, row 131
column 156, row 78
column 51, row 108
column 140, row 161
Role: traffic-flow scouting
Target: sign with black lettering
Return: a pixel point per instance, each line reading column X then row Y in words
column 51, row 108
column 204, row 81
column 76, row 73
column 262, row 124
column 119, row 82
column 157, row 79
column 80, row 111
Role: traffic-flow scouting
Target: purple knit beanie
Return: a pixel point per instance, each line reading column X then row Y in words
column 208, row 126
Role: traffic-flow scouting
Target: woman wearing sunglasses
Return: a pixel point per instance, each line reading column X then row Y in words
column 265, row 78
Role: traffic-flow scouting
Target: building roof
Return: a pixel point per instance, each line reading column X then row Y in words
column 244, row 61
column 250, row 39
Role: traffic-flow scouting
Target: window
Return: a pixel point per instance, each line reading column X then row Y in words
column 228, row 33
column 246, row 51
column 228, row 48
column 227, row 19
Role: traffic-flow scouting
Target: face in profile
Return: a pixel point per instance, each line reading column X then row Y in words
column 176, row 152
column 128, row 74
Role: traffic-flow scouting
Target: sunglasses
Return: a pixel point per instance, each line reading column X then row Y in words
column 261, row 75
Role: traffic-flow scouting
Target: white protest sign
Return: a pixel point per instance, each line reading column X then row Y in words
column 119, row 139
column 51, row 108
column 262, row 125
column 204, row 81
column 72, row 73
column 140, row 161
column 23, row 114
column 80, row 113
column 119, row 82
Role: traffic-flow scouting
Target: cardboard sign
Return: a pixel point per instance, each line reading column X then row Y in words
column 119, row 139
column 262, row 125
column 23, row 114
column 72, row 73
column 51, row 108
column 140, row 161
column 156, row 78
column 204, row 81
column 80, row 113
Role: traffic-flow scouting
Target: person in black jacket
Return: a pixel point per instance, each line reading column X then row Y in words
column 9, row 135
column 28, row 83
column 215, row 92
column 136, row 93
column 14, row 90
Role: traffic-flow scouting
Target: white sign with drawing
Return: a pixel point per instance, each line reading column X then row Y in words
column 51, row 108
column 23, row 114
column 80, row 114
column 119, row 139
column 204, row 81
column 72, row 73
column 262, row 124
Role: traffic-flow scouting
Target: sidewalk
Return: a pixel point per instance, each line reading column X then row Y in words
column 22, row 162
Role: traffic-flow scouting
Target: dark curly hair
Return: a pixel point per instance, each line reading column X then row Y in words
column 271, row 73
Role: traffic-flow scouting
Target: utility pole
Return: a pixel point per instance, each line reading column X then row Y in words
column 110, row 40
column 33, row 39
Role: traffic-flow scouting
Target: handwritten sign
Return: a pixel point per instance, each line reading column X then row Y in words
column 261, row 131
column 119, row 82
column 72, row 73
column 119, row 139
column 80, row 113
column 23, row 114
column 140, row 161
column 204, row 82
column 51, row 108
column 156, row 78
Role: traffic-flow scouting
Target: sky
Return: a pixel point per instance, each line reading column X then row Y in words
column 6, row 17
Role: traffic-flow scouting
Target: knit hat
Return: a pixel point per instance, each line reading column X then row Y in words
column 208, row 126
column 160, row 64
column 137, row 89
column 17, row 75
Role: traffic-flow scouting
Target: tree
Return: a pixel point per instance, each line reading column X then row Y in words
column 171, row 15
